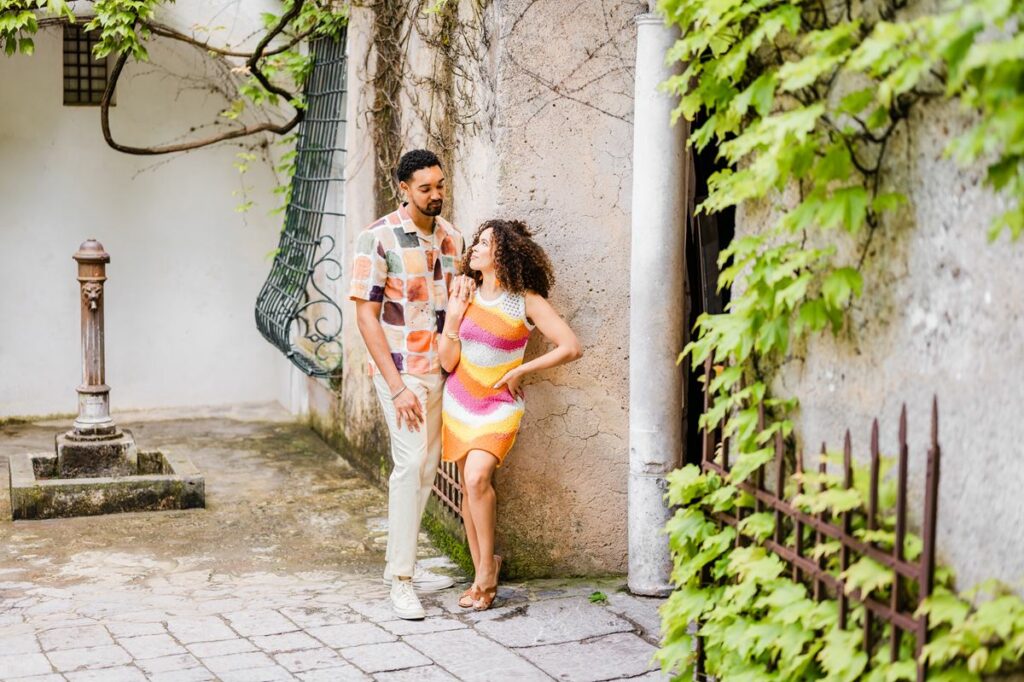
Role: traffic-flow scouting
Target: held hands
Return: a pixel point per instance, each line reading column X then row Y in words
column 407, row 409
column 463, row 288
column 513, row 382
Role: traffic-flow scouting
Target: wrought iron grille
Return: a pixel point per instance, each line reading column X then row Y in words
column 898, row 608
column 296, row 309
column 447, row 488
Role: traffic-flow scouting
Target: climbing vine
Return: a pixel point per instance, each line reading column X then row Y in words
column 757, row 624
column 803, row 100
column 271, row 72
column 410, row 106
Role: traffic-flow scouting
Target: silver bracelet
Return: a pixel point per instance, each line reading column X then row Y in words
column 399, row 393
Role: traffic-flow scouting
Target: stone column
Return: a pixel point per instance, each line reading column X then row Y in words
column 657, row 307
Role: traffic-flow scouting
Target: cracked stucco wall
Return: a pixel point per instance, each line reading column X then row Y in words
column 942, row 313
column 552, row 143
column 564, row 142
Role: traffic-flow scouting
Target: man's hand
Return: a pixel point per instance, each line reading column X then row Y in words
column 408, row 409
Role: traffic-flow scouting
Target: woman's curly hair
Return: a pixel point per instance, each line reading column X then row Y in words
column 519, row 262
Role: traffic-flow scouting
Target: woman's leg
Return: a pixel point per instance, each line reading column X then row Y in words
column 478, row 477
column 467, row 520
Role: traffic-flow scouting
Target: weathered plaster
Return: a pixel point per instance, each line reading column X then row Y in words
column 942, row 313
column 551, row 144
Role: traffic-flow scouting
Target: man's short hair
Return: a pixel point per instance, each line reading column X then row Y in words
column 414, row 161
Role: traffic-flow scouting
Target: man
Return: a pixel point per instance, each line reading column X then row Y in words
column 403, row 266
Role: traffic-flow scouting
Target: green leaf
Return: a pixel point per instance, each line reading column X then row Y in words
column 843, row 657
column 866, row 575
column 943, row 607
column 685, row 484
column 758, row 526
column 857, row 101
column 840, row 285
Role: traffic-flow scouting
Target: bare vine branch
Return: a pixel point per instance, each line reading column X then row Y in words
column 253, row 67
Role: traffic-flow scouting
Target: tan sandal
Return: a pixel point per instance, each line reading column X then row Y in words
column 469, row 597
column 486, row 595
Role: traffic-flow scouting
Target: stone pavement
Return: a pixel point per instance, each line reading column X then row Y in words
column 278, row 579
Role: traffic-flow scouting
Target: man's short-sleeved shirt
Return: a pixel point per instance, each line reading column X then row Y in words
column 410, row 274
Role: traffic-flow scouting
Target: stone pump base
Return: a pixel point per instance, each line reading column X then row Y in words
column 89, row 475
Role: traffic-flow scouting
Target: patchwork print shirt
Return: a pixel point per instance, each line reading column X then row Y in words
column 410, row 275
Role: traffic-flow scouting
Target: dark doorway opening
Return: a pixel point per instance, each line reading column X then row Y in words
column 707, row 236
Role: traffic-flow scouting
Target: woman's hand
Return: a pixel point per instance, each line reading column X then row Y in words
column 513, row 382
column 461, row 294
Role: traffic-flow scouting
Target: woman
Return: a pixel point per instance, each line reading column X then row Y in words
column 494, row 305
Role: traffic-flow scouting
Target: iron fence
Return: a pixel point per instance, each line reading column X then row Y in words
column 809, row 530
column 448, row 490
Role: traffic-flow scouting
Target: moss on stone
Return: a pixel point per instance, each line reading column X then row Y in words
column 368, row 452
column 29, row 419
column 448, row 536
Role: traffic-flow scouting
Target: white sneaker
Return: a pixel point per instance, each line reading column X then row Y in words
column 405, row 602
column 424, row 581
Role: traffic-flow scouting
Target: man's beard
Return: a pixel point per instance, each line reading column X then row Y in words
column 432, row 208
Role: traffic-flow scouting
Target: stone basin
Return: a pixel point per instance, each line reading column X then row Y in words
column 161, row 481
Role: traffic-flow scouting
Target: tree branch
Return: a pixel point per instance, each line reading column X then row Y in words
column 252, row 64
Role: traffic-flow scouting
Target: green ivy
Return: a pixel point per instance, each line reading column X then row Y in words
column 802, row 99
column 757, row 624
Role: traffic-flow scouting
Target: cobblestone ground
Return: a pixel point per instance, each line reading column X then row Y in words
column 278, row 579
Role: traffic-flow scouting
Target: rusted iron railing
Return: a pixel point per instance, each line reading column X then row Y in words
column 447, row 489
column 900, row 607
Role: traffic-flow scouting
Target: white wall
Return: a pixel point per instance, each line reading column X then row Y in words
column 186, row 267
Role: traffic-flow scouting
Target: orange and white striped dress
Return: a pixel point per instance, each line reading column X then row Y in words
column 476, row 416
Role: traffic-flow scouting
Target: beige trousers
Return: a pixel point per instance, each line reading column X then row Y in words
column 415, row 455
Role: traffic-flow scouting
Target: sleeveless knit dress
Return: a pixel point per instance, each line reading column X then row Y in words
column 474, row 415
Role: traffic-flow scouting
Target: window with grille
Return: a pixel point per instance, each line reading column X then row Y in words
column 85, row 76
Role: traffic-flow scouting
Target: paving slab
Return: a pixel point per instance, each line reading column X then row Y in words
column 125, row 673
column 643, row 611
column 23, row 665
column 186, row 675
column 268, row 674
column 221, row 648
column 375, row 658
column 419, row 627
column 310, row 659
column 351, row 634
column 260, row 622
column 74, row 637
column 199, row 629
column 345, row 673
column 151, row 646
column 292, row 641
column 427, row 673
column 232, row 662
column 552, row 621
column 90, row 658
column 610, row 657
column 168, row 664
column 472, row 657
column 19, row 644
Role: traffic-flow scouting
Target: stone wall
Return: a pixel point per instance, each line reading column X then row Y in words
column 942, row 314
column 550, row 143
